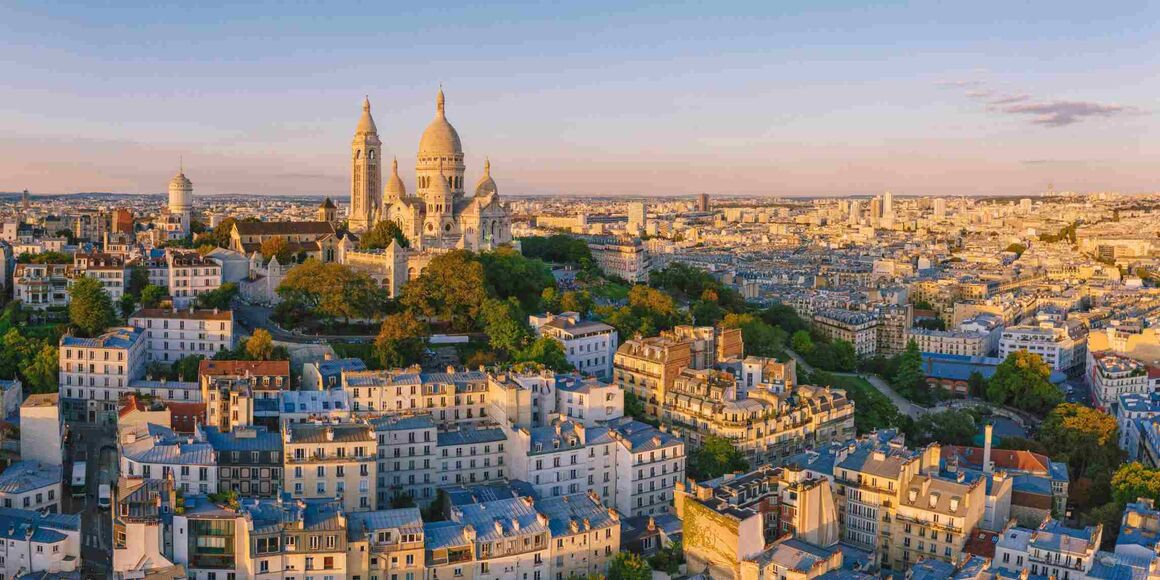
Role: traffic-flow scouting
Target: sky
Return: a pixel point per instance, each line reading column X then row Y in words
column 778, row 98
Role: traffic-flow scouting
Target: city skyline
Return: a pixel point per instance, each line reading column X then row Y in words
column 821, row 102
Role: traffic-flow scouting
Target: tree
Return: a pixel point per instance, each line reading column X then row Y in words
column 545, row 351
column 41, row 374
column 628, row 566
column 67, row 234
column 151, row 296
column 760, row 338
column 51, row 257
column 90, row 310
column 186, row 367
column 260, row 345
column 785, row 318
column 402, row 338
column 452, row 288
column 845, row 357
column 1021, row 381
column 634, row 406
column 138, row 280
column 503, row 322
column 715, row 457
column 1086, row 438
column 802, row 343
column 277, row 247
column 558, row 248
column 380, row 236
column 706, row 313
column 909, row 379
column 330, row 291
column 950, row 427
column 511, row 275
column 579, row 302
column 220, row 235
column 976, row 385
column 218, row 298
column 1133, row 481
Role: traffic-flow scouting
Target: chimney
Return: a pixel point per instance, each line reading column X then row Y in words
column 987, row 447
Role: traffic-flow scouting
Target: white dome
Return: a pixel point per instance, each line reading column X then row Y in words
column 440, row 139
column 486, row 185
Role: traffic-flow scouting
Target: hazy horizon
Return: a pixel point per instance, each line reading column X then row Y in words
column 596, row 99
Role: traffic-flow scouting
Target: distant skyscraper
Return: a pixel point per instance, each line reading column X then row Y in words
column 855, row 212
column 703, row 202
column 875, row 209
column 1025, row 204
column 888, row 204
column 940, row 207
column 636, row 217
column 25, row 200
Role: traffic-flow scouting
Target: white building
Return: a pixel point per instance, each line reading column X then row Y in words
column 41, row 286
column 588, row 345
column 155, row 451
column 190, row 275
column 171, row 334
column 100, row 369
column 1051, row 550
column 1111, row 375
column 588, row 400
column 31, row 485
column 949, row 341
column 41, row 431
column 31, row 541
column 1060, row 344
column 468, row 455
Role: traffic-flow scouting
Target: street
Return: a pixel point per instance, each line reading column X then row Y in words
column 96, row 445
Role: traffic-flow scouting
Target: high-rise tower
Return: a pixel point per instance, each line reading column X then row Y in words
column 181, row 199
column 366, row 182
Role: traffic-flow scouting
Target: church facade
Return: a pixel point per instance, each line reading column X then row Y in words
column 439, row 217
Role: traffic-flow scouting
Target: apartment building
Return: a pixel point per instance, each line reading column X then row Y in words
column 41, row 286
column 1061, row 344
column 172, row 334
column 857, row 328
column 190, row 276
column 229, row 401
column 1133, row 411
column 935, row 518
column 407, row 450
column 33, row 543
column 41, row 429
column 216, row 541
column 386, row 544
column 649, row 462
column 894, row 322
column 647, row 367
column 99, row 370
column 331, row 460
column 510, row 538
column 589, row 346
column 585, row 535
column 284, row 538
column 156, row 451
column 31, row 485
column 141, row 511
column 588, row 400
column 470, row 454
column 766, row 425
column 623, row 258
column 954, row 342
column 452, row 398
column 267, row 379
column 1052, row 550
column 1111, row 375
column 249, row 459
column 107, row 269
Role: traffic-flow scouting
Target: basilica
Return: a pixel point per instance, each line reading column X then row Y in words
column 440, row 215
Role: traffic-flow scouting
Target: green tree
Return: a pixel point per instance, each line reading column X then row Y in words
column 1022, row 381
column 1133, row 481
column 504, row 323
column 151, row 296
column 127, row 305
column 949, row 427
column 558, row 248
column 977, row 385
column 802, row 343
column 706, row 313
column 381, row 235
column 845, row 357
column 511, row 275
column 451, row 288
column 402, row 338
column 90, row 310
column 579, row 302
column 628, row 566
column 330, row 291
column 260, row 345
column 186, row 367
column 715, row 457
column 42, row 372
column 138, row 280
column 910, row 380
column 634, row 407
column 1086, row 438
column 760, row 338
column 219, row 298
column 784, row 317
column 668, row 559
column 545, row 351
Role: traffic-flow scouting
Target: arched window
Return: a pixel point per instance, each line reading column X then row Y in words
column 358, row 153
column 370, row 153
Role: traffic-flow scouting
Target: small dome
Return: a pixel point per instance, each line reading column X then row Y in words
column 486, row 185
column 180, row 181
column 394, row 188
column 440, row 139
column 366, row 123
column 440, row 187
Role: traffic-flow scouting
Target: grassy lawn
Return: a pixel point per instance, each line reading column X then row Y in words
column 610, row 291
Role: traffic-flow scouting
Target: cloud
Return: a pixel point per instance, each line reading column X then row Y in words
column 1009, row 99
column 959, row 84
column 1063, row 113
column 979, row 94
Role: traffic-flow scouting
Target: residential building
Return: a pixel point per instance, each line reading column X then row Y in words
column 156, row 451
column 107, row 269
column 589, row 346
column 470, row 454
column 99, row 370
column 292, row 538
column 172, row 334
column 1052, row 550
column 622, row 258
column 1111, row 375
column 386, row 544
column 41, row 286
column 452, row 398
column 1062, row 345
column 857, row 328
column 217, row 539
column 331, row 460
column 585, row 535
column 406, row 452
column 142, row 512
column 190, row 276
column 32, row 542
column 249, row 459
column 41, row 429
column 31, row 485
column 951, row 342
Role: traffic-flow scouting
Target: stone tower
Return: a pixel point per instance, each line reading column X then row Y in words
column 328, row 212
column 365, row 178
column 181, row 199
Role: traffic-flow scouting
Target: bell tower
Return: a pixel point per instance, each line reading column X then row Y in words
column 366, row 181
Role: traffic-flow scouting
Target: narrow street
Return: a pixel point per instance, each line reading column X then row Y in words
column 95, row 445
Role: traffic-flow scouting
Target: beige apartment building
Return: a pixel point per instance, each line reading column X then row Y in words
column 648, row 367
column 857, row 328
column 950, row 341
column 331, row 460
column 935, row 518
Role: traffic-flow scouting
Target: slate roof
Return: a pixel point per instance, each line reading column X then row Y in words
column 406, row 520
column 468, row 435
column 25, row 476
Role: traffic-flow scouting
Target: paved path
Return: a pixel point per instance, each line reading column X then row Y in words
column 908, row 408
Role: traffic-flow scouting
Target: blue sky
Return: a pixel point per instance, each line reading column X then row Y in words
column 778, row 98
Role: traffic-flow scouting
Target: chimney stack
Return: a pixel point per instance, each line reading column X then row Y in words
column 987, row 447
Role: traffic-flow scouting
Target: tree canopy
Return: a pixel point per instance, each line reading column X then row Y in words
column 277, row 247
column 260, row 345
column 628, row 566
column 90, row 310
column 715, row 457
column 558, row 248
column 511, row 275
column 380, row 236
column 401, row 340
column 219, row 298
column 1022, row 381
column 330, row 291
column 760, row 338
column 451, row 288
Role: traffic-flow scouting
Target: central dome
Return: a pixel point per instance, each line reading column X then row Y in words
column 440, row 139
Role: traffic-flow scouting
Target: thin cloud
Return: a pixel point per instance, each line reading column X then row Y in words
column 979, row 94
column 1063, row 113
column 959, row 84
column 1009, row 100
